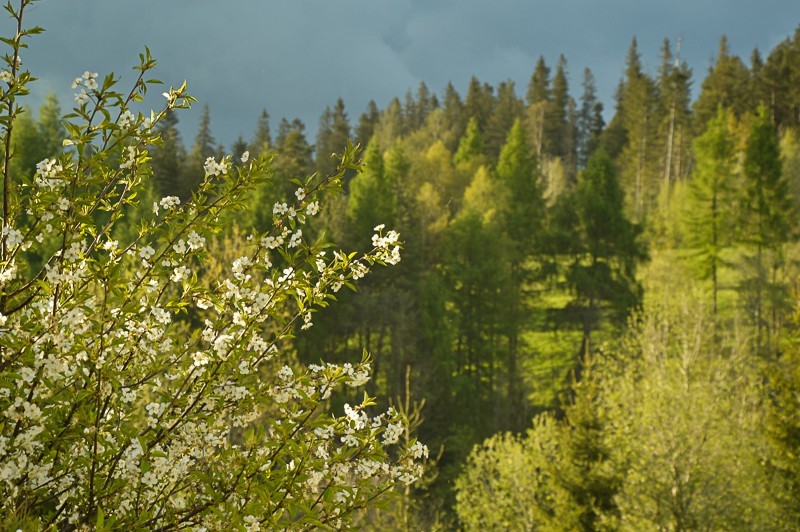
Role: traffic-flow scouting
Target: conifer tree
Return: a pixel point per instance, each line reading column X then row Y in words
column 169, row 159
column 454, row 117
column 602, row 250
column 52, row 132
column 262, row 139
column 727, row 84
column 780, row 82
column 709, row 211
column 204, row 147
column 589, row 120
column 239, row 147
column 641, row 117
column 539, row 86
column 767, row 227
column 673, row 89
column 470, row 147
column 479, row 102
column 332, row 135
column 294, row 157
column 522, row 213
column 555, row 124
column 367, row 122
column 506, row 110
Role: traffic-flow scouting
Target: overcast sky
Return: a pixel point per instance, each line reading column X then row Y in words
column 294, row 57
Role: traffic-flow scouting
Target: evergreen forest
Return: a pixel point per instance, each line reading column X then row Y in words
column 594, row 324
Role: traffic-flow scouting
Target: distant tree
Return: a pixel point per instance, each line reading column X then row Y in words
column 590, row 121
column 539, row 85
column 709, row 212
column 727, row 84
column 674, row 83
column 767, row 226
column 367, row 122
column 332, row 135
column 262, row 139
column 27, row 148
column 391, row 125
column 521, row 213
column 204, row 147
column 479, row 102
column 454, row 116
column 52, row 132
column 239, row 147
column 780, row 82
column 169, row 159
column 555, row 119
column 470, row 147
column 641, row 156
column 506, row 110
column 416, row 111
column 294, row 158
column 614, row 137
column 371, row 194
column 600, row 250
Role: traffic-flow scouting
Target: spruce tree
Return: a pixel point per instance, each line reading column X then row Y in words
column 367, row 122
column 539, row 86
column 169, row 159
column 332, row 136
column 479, row 102
column 767, row 224
column 589, row 120
column 262, row 139
column 727, row 84
column 204, row 147
column 52, row 132
column 555, row 124
column 454, row 117
column 599, row 249
column 506, row 110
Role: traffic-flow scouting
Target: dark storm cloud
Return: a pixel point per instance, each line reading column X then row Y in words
column 295, row 57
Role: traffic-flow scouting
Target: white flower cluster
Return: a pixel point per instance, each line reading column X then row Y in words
column 126, row 119
column 387, row 246
column 130, row 158
column 214, row 168
column 87, row 82
column 47, row 171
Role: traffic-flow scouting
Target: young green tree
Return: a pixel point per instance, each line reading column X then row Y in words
column 709, row 213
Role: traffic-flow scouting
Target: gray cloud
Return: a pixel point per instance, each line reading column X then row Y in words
column 296, row 57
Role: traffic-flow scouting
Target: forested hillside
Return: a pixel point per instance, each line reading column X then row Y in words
column 593, row 325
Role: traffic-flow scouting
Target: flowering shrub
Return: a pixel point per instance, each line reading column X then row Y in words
column 134, row 395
